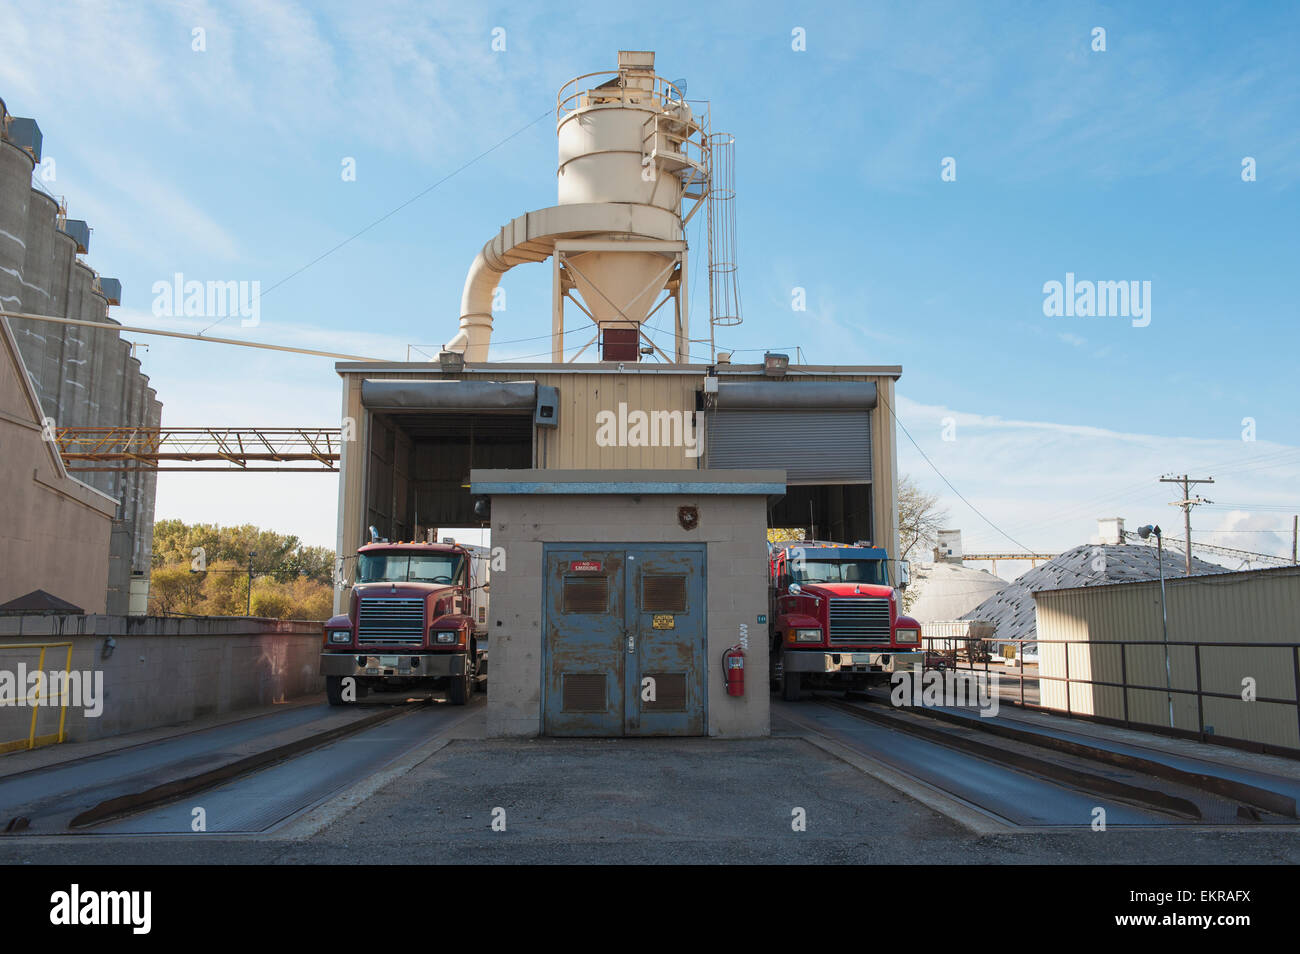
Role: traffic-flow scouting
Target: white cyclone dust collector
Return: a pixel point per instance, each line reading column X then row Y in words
column 637, row 161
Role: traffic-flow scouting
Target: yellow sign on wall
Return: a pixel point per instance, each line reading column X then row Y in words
column 665, row 621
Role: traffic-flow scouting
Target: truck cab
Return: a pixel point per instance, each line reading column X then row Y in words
column 836, row 620
column 417, row 618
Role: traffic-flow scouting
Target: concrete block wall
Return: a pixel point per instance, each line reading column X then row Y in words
column 733, row 531
column 162, row 671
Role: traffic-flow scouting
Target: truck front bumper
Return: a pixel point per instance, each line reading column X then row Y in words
column 409, row 665
column 824, row 662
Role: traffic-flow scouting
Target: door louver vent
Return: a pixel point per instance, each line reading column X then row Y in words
column 663, row 594
column 586, row 594
column 584, row 692
column 670, row 692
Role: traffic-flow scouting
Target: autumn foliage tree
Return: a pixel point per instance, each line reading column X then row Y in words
column 202, row 570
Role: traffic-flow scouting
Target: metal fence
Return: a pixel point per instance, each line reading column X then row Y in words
column 975, row 654
column 38, row 696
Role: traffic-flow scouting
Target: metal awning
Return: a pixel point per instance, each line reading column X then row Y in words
column 798, row 395
column 424, row 395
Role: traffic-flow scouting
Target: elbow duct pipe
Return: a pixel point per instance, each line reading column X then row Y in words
column 531, row 238
column 476, row 309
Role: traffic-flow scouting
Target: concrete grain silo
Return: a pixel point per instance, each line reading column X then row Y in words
column 82, row 376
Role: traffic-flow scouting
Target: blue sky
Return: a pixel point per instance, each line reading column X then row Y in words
column 1122, row 165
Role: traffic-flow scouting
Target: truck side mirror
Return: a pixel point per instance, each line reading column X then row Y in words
column 904, row 574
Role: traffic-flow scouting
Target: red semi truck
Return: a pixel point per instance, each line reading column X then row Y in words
column 835, row 619
column 417, row 619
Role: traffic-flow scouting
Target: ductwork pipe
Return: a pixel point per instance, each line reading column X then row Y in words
column 476, row 308
column 531, row 238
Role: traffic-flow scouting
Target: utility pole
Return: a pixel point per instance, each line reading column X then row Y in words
column 1187, row 503
column 1295, row 533
column 249, row 610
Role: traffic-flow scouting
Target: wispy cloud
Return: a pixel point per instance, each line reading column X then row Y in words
column 1044, row 484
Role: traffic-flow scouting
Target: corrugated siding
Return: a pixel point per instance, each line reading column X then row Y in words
column 1258, row 607
column 573, row 446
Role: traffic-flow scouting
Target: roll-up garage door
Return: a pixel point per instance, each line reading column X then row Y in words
column 820, row 433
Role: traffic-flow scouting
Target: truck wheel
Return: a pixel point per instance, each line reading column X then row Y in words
column 790, row 686
column 334, row 690
column 462, row 688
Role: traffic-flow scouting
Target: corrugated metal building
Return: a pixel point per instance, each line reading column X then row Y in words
column 1249, row 690
column 624, row 495
column 409, row 463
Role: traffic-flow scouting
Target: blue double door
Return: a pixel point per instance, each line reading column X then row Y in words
column 624, row 640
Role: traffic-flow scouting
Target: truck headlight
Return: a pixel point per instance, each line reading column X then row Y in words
column 341, row 636
column 907, row 635
column 445, row 637
column 807, row 635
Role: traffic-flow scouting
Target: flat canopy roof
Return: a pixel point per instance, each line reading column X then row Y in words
column 631, row 367
column 625, row 482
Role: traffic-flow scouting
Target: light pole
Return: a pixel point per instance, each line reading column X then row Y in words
column 1145, row 532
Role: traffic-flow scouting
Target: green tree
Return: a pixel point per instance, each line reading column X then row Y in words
column 291, row 580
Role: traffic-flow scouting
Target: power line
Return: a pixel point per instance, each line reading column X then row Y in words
column 1253, row 508
column 977, row 511
column 1278, row 530
column 391, row 213
column 1187, row 503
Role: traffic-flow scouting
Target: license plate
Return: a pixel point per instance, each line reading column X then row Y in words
column 388, row 661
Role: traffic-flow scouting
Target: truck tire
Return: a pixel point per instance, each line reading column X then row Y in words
column 334, row 690
column 790, row 686
column 462, row 687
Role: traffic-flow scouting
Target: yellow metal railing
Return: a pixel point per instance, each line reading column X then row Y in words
column 33, row 740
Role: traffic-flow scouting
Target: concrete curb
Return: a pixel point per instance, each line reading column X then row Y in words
column 170, row 791
column 973, row 819
column 1150, row 797
column 318, row 818
column 1253, row 795
column 114, row 745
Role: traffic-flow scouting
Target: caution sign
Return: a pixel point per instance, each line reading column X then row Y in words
column 665, row 621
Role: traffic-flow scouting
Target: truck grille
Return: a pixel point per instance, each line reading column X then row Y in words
column 859, row 620
column 391, row 621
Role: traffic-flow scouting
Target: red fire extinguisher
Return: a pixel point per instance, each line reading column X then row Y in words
column 733, row 663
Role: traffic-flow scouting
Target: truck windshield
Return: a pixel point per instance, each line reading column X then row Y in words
column 839, row 571
column 407, row 568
